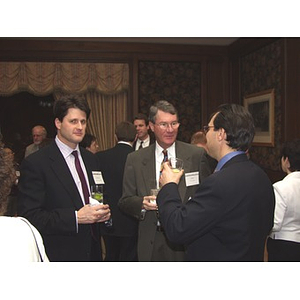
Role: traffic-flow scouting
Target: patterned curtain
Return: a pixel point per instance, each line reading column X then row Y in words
column 105, row 86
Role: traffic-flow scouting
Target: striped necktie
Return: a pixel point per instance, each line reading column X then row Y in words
column 165, row 153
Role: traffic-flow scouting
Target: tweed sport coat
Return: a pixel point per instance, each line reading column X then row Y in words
column 139, row 177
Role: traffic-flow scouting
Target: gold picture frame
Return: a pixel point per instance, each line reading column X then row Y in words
column 261, row 106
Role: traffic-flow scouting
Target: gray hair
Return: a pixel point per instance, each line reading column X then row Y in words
column 162, row 105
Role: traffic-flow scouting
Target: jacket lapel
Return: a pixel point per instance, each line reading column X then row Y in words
column 148, row 168
column 63, row 174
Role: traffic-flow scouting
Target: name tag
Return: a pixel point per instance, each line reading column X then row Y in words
column 192, row 178
column 97, row 175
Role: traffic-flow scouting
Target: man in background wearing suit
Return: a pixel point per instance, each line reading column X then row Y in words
column 54, row 195
column 120, row 239
column 142, row 171
column 144, row 138
column 231, row 214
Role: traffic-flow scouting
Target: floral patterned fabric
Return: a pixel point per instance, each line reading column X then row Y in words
column 177, row 82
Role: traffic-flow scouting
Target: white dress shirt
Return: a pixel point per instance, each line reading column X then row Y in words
column 287, row 208
column 70, row 160
column 159, row 158
column 146, row 143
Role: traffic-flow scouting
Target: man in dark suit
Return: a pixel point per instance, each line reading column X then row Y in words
column 144, row 137
column 120, row 239
column 231, row 214
column 54, row 188
column 142, row 171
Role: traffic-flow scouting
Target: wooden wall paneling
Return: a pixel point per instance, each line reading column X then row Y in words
column 89, row 49
column 133, row 97
column 217, row 84
column 234, row 80
column 204, row 95
column 292, row 89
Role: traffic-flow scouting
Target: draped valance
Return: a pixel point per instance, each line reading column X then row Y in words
column 41, row 78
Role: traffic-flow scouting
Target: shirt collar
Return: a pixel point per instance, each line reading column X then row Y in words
column 126, row 143
column 145, row 140
column 65, row 149
column 159, row 150
column 226, row 158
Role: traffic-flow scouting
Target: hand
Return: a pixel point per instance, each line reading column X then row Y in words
column 149, row 205
column 168, row 175
column 89, row 214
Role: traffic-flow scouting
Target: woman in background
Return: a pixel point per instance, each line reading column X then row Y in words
column 20, row 241
column 284, row 241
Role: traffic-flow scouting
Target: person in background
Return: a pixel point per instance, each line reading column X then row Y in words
column 20, row 241
column 284, row 241
column 89, row 142
column 141, row 174
column 231, row 213
column 12, row 202
column 39, row 133
column 144, row 138
column 120, row 239
column 54, row 192
column 199, row 139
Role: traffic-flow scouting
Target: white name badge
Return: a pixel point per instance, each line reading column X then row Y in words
column 97, row 175
column 192, row 178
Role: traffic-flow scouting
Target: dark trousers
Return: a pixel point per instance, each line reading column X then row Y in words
column 281, row 250
column 120, row 248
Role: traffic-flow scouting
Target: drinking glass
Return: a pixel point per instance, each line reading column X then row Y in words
column 153, row 192
column 176, row 164
column 97, row 192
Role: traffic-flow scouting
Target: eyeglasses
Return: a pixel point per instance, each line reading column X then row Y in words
column 164, row 125
column 206, row 128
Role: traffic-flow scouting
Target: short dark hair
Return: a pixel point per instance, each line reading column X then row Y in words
column 125, row 131
column 61, row 106
column 87, row 140
column 162, row 105
column 291, row 150
column 141, row 116
column 238, row 124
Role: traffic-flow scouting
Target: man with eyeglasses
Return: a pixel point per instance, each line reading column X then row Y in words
column 142, row 173
column 231, row 214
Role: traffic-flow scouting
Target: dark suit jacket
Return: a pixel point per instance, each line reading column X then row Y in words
column 229, row 217
column 139, row 178
column 111, row 164
column 48, row 198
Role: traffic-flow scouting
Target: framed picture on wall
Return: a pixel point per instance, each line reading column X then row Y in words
column 261, row 106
